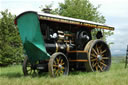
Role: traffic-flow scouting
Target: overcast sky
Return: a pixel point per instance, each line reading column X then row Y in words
column 115, row 12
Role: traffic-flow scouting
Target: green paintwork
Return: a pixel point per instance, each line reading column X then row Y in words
column 29, row 28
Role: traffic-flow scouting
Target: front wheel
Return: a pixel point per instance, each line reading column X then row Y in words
column 58, row 65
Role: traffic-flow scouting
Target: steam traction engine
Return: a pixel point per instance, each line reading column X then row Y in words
column 58, row 44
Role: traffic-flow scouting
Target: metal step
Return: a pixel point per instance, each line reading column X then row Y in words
column 41, row 66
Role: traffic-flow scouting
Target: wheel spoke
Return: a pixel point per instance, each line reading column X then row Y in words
column 62, row 67
column 57, row 71
column 105, row 58
column 94, row 51
column 61, row 63
column 100, row 50
column 100, row 46
column 29, row 69
column 55, row 65
column 57, row 61
column 100, row 67
column 93, row 55
column 102, row 61
column 94, row 64
column 94, row 59
column 103, row 51
column 62, row 72
column 96, row 68
column 102, row 55
column 97, row 49
column 61, row 60
column 103, row 64
column 32, row 72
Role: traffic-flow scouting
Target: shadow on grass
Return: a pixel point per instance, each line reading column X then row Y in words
column 11, row 75
column 19, row 75
column 78, row 72
column 43, row 74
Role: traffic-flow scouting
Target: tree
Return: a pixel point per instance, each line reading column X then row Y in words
column 10, row 43
column 81, row 9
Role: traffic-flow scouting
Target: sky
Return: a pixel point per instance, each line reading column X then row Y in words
column 115, row 12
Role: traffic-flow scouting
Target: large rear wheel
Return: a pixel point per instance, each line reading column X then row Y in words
column 99, row 56
column 58, row 65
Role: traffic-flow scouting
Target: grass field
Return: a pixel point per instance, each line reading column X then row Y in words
column 117, row 75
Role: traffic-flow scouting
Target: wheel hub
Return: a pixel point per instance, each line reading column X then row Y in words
column 99, row 57
column 60, row 66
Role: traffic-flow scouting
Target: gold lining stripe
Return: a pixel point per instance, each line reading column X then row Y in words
column 78, row 60
column 75, row 22
column 77, row 51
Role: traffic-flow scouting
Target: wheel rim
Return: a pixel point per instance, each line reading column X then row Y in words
column 100, row 57
column 58, row 65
